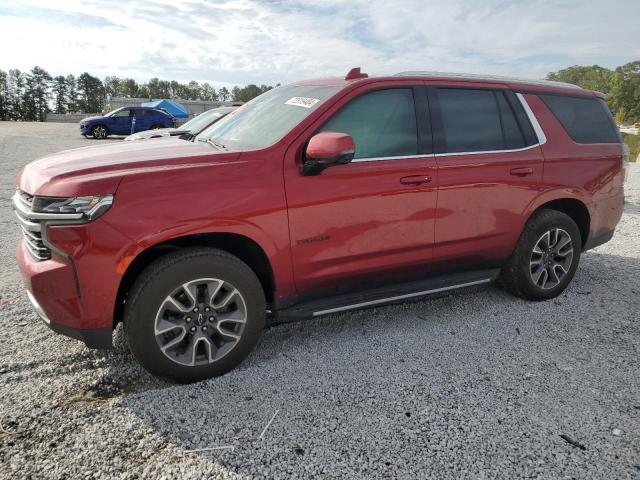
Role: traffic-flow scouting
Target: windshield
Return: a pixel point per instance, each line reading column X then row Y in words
column 113, row 111
column 267, row 118
column 202, row 121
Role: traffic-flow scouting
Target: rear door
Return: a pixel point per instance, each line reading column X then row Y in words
column 376, row 214
column 142, row 119
column 490, row 169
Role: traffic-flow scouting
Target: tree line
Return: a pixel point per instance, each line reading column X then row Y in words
column 31, row 95
column 620, row 85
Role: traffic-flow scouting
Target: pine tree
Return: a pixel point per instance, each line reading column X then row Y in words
column 72, row 94
column 60, row 91
column 224, row 95
column 35, row 99
column 91, row 92
column 16, row 90
column 4, row 96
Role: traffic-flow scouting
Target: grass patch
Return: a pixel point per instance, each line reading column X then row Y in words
column 634, row 145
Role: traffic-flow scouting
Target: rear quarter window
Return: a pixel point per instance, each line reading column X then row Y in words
column 586, row 120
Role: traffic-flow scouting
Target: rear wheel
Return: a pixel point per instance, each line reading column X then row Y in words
column 194, row 314
column 546, row 257
column 99, row 132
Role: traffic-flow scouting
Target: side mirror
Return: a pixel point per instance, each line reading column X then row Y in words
column 325, row 149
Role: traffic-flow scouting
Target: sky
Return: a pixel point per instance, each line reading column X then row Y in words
column 236, row 42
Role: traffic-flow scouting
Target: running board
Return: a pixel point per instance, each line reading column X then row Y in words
column 396, row 293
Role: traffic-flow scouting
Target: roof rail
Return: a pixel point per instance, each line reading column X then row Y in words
column 475, row 76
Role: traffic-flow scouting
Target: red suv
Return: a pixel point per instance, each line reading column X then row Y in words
column 314, row 198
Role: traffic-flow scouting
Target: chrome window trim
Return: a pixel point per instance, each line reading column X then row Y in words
column 480, row 152
column 404, row 157
column 542, row 138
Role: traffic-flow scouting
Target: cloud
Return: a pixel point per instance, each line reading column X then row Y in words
column 241, row 41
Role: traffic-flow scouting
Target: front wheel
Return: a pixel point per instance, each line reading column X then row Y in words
column 546, row 257
column 194, row 314
column 99, row 132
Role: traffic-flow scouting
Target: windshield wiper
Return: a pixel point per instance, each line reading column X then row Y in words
column 213, row 143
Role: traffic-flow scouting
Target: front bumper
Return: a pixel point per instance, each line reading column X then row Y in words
column 92, row 338
column 85, row 129
column 52, row 290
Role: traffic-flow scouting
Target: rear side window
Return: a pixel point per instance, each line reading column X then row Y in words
column 586, row 120
column 138, row 113
column 478, row 121
column 382, row 123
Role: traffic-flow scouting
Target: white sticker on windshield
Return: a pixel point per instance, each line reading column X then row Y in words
column 302, row 102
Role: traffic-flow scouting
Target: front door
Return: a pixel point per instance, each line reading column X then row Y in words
column 354, row 222
column 121, row 122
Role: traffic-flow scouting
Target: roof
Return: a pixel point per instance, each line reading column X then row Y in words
column 512, row 82
column 174, row 108
column 485, row 78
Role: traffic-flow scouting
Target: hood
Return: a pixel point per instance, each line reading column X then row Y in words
column 97, row 170
column 89, row 119
column 155, row 133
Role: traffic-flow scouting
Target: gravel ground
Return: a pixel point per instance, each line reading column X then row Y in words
column 475, row 385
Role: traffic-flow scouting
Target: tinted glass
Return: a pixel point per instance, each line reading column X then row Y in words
column 513, row 137
column 382, row 123
column 586, row 120
column 122, row 113
column 268, row 117
column 202, row 121
column 471, row 120
column 137, row 112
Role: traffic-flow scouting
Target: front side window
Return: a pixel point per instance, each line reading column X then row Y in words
column 478, row 121
column 268, row 117
column 382, row 123
column 121, row 113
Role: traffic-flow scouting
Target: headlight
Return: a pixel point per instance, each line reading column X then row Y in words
column 90, row 207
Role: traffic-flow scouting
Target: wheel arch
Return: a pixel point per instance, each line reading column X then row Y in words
column 574, row 208
column 239, row 245
column 100, row 124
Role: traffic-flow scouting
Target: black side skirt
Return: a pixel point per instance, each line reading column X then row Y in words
column 396, row 293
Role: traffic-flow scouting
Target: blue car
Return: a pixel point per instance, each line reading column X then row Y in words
column 119, row 122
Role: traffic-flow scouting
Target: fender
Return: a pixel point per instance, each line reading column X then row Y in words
column 573, row 193
column 279, row 259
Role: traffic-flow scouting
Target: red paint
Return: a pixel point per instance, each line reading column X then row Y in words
column 349, row 222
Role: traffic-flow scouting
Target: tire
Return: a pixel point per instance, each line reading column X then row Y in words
column 99, row 132
column 155, row 324
column 547, row 231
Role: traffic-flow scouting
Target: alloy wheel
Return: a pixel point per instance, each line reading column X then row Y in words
column 200, row 321
column 551, row 258
column 100, row 132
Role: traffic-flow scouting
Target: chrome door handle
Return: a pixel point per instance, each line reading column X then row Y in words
column 415, row 180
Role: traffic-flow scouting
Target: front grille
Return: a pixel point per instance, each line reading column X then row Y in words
column 35, row 245
column 25, row 199
column 31, row 229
